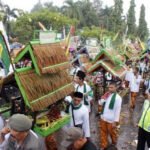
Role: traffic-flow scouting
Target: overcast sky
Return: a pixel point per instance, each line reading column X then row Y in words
column 28, row 4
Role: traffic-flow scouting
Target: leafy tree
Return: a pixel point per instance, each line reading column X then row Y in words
column 116, row 17
column 97, row 4
column 71, row 9
column 51, row 7
column 84, row 11
column 105, row 17
column 37, row 7
column 25, row 25
column 23, row 28
column 142, row 28
column 131, row 20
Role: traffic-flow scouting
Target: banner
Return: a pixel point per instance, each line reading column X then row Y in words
column 4, row 56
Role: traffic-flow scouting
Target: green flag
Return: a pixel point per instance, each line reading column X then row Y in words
column 4, row 56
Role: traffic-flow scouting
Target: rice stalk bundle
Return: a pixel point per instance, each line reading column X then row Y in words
column 51, row 99
column 42, row 91
column 50, row 58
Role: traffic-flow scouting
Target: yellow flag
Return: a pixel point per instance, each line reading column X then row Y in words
column 115, row 37
column 141, row 44
column 1, row 50
column 67, row 43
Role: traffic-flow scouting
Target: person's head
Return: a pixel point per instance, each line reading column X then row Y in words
column 135, row 70
column 112, row 87
column 74, row 136
column 19, row 126
column 79, row 78
column 77, row 98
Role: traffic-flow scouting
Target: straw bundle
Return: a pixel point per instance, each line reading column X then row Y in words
column 42, row 91
column 50, row 58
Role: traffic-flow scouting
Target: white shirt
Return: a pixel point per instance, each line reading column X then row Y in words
column 142, row 66
column 108, row 76
column 128, row 75
column 2, row 73
column 112, row 115
column 79, row 88
column 81, row 116
column 135, row 83
column 147, row 84
column 1, row 123
column 74, row 71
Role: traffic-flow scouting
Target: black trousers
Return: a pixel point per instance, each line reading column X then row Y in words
column 143, row 137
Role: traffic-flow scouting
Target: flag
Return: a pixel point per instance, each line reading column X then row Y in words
column 4, row 56
column 67, row 41
column 115, row 37
column 141, row 44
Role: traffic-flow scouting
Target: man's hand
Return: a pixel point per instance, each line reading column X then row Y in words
column 5, row 130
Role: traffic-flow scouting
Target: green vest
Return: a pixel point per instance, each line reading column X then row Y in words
column 145, row 119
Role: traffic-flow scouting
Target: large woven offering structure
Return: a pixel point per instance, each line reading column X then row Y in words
column 41, row 91
column 111, row 62
column 46, row 58
column 47, row 80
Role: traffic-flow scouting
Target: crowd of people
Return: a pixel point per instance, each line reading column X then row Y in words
column 17, row 133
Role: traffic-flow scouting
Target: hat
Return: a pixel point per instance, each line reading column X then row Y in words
column 20, row 122
column 72, row 134
column 81, row 74
column 78, row 94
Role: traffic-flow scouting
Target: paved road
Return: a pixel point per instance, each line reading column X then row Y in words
column 128, row 129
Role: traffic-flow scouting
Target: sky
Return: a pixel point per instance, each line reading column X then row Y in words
column 28, row 5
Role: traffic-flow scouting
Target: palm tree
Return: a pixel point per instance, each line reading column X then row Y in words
column 51, row 7
column 71, row 9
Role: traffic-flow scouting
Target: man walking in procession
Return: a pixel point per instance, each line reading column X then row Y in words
column 79, row 114
column 135, row 81
column 110, row 116
column 84, row 88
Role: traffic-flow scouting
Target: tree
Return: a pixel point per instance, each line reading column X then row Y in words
column 131, row 20
column 51, row 7
column 142, row 28
column 25, row 25
column 71, row 9
column 97, row 4
column 37, row 7
column 105, row 17
column 116, row 17
column 90, row 16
